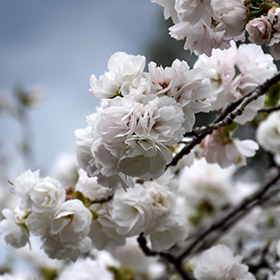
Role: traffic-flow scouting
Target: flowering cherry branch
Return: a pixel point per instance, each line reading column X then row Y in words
column 224, row 224
column 227, row 117
column 230, row 219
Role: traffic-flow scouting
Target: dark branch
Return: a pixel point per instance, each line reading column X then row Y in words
column 230, row 219
column 102, row 200
column 269, row 109
column 226, row 117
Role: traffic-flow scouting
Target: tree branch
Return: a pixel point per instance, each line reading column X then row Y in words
column 227, row 116
column 269, row 109
column 230, row 219
column 170, row 258
column 102, row 200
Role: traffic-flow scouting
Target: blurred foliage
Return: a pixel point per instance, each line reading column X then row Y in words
column 49, row 273
column 273, row 95
column 122, row 273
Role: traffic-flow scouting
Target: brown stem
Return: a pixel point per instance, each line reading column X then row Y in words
column 102, row 200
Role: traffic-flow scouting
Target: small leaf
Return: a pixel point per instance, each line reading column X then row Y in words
column 94, row 214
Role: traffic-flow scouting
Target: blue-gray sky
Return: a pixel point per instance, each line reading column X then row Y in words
column 60, row 44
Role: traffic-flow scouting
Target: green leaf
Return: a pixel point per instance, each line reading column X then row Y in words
column 79, row 195
column 273, row 95
column 122, row 273
column 265, row 7
column 94, row 214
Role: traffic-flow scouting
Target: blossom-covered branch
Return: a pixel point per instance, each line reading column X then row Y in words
column 227, row 116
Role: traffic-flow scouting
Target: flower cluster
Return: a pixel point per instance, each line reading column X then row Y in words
column 72, row 221
column 234, row 73
column 147, row 208
column 142, row 114
column 211, row 24
column 62, row 225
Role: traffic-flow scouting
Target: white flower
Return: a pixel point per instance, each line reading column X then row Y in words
column 131, row 211
column 162, row 121
column 240, row 86
column 163, row 199
column 188, row 87
column 71, row 223
column 13, row 229
column 117, row 146
column 86, row 269
column 231, row 15
column 193, row 11
column 118, row 121
column 56, row 250
column 259, row 30
column 251, row 60
column 38, row 222
column 268, row 133
column 220, row 263
column 200, row 38
column 227, row 85
column 167, row 231
column 274, row 43
column 165, row 80
column 122, row 68
column 84, row 142
column 144, row 158
column 226, row 152
column 103, row 230
column 23, row 185
column 206, row 182
column 97, row 160
column 90, row 187
column 136, row 88
column 219, row 68
column 46, row 195
column 38, row 194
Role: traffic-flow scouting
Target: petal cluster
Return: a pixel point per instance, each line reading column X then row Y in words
column 143, row 115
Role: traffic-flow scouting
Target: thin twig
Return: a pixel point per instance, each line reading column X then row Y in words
column 102, row 200
column 269, row 109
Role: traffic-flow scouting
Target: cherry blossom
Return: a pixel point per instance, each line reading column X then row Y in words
column 220, row 263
